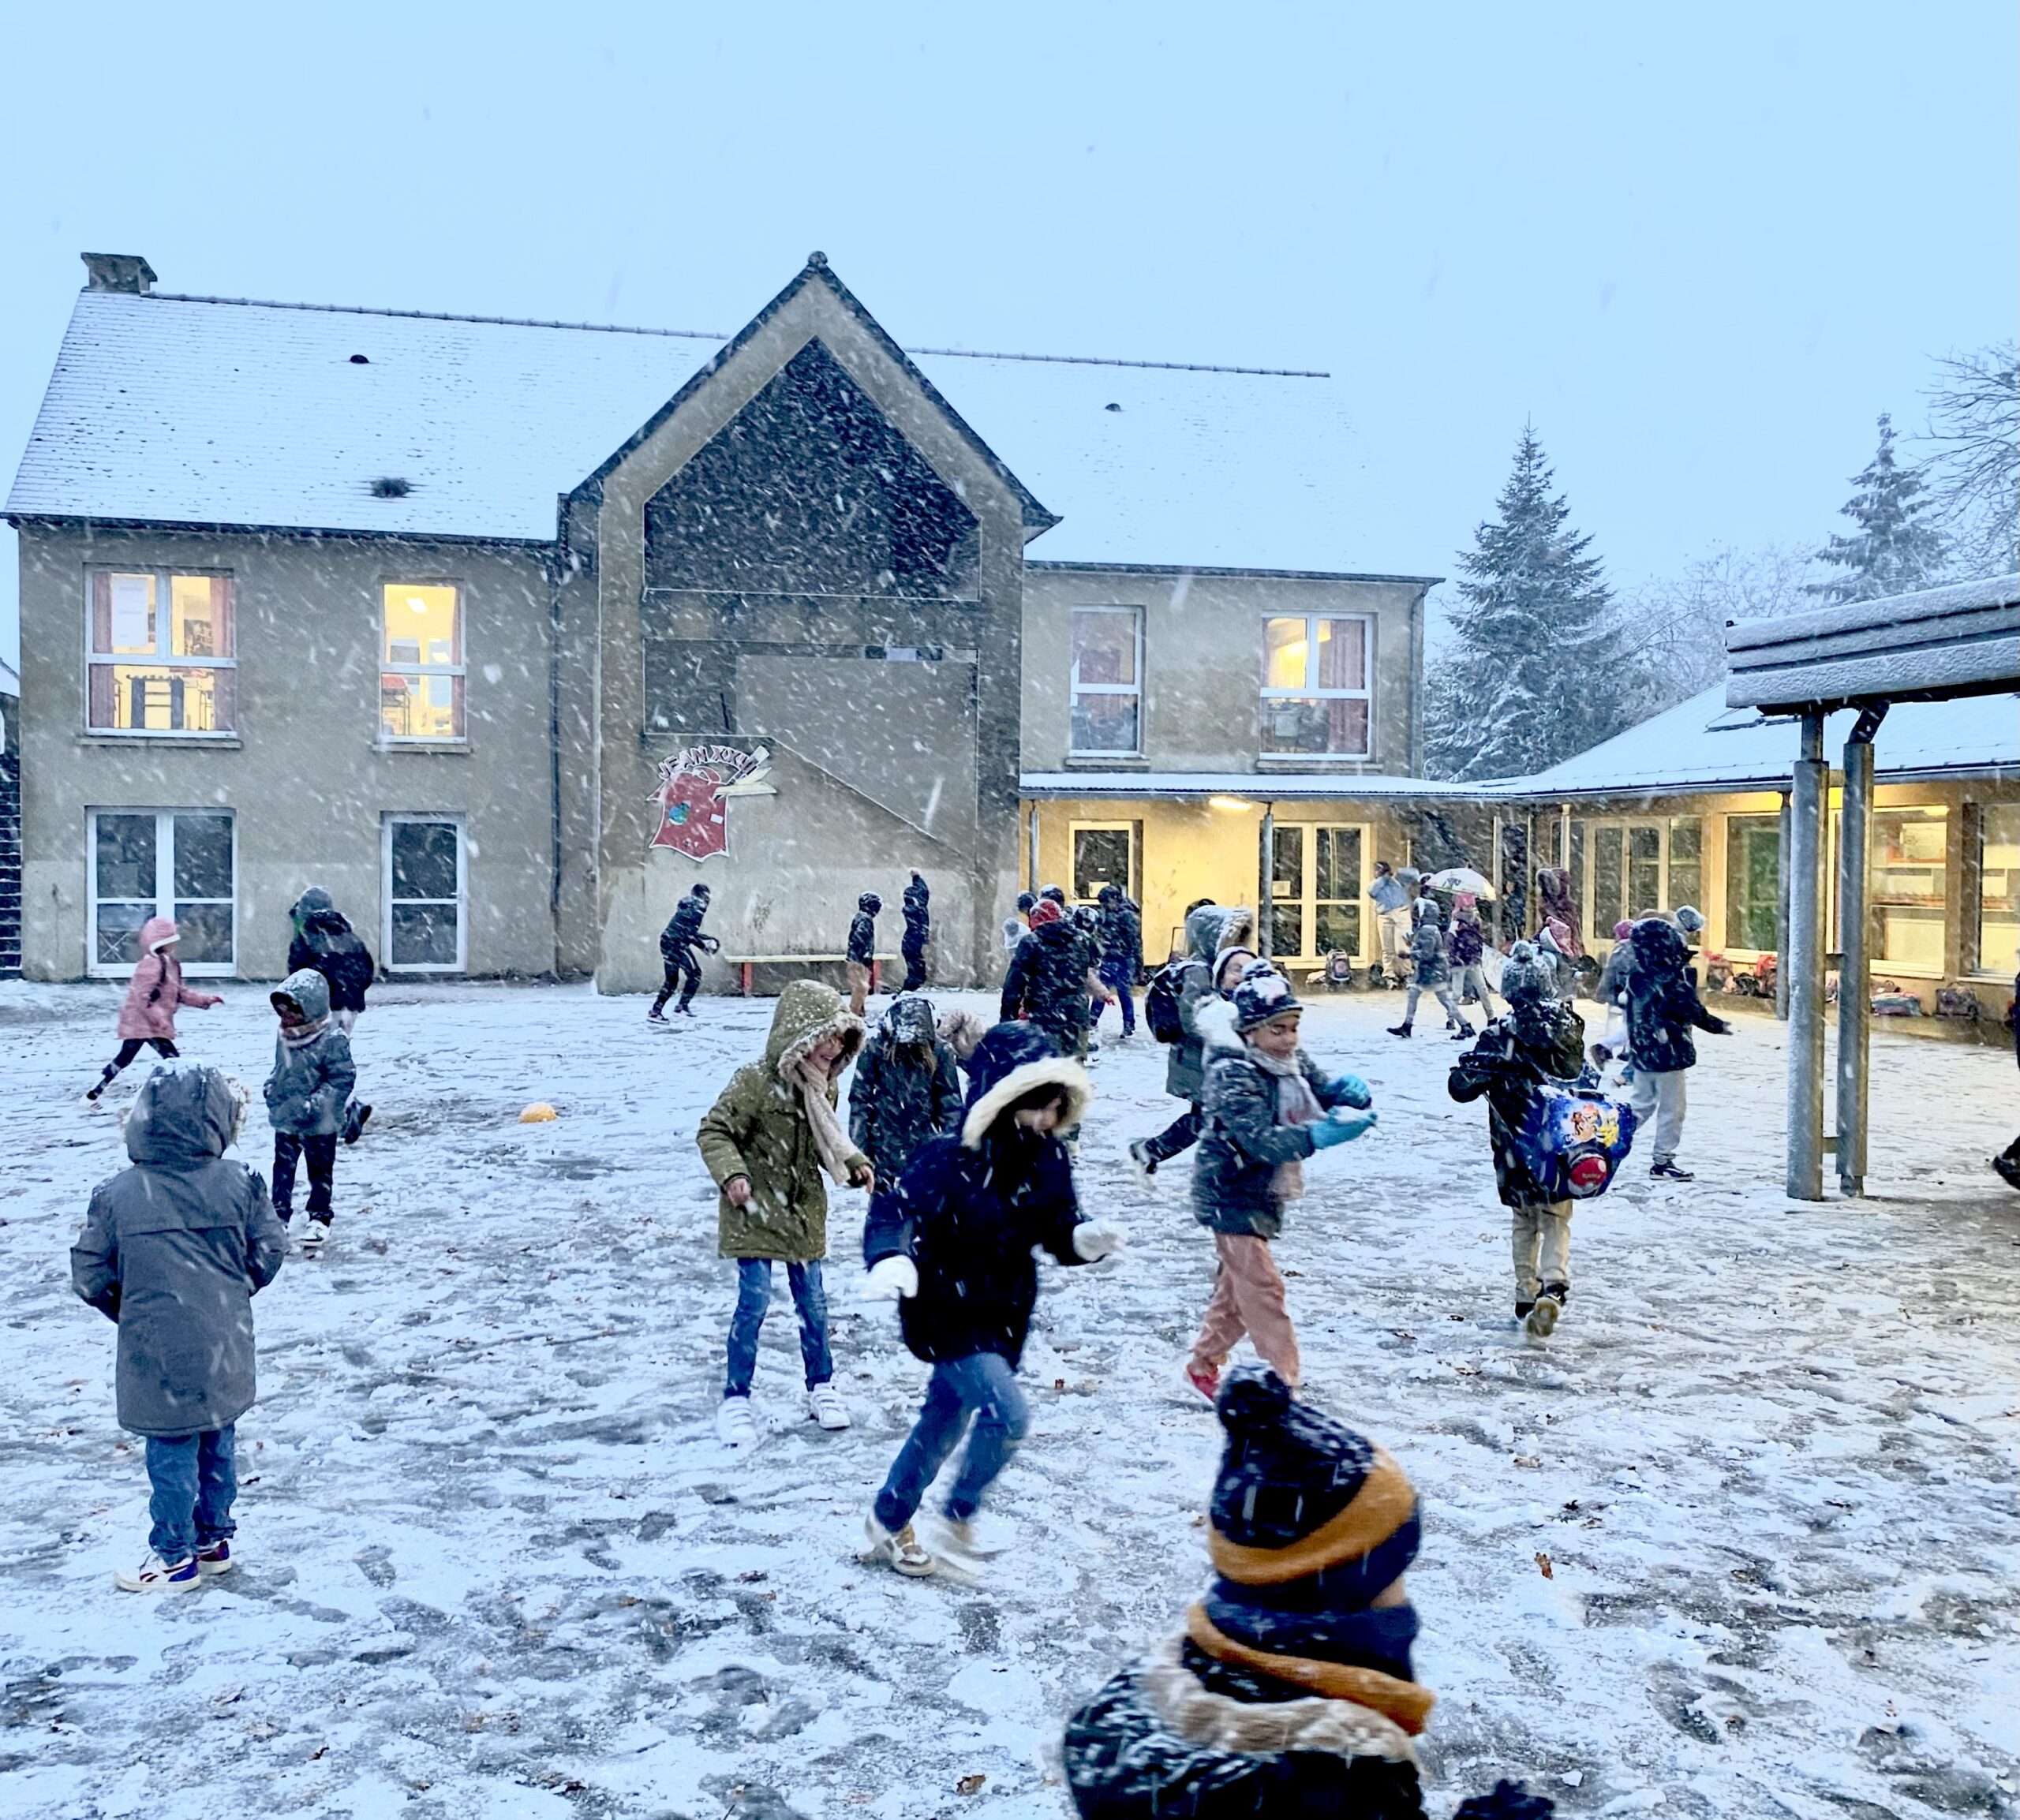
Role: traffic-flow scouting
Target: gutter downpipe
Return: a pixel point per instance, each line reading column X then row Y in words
column 1805, row 969
column 1855, row 938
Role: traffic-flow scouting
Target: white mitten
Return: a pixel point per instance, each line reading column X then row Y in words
column 1094, row 1238
column 891, row 1278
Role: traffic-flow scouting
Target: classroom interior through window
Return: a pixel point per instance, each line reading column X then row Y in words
column 422, row 675
column 158, row 672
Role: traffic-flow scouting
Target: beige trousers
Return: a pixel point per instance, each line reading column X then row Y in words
column 859, row 987
column 1248, row 1298
column 1541, row 1241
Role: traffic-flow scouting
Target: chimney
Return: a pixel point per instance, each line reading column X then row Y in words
column 125, row 271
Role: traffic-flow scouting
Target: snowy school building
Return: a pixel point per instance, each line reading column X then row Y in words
column 507, row 632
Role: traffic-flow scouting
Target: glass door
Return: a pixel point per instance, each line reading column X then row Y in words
column 1316, row 885
column 163, row 862
column 424, row 893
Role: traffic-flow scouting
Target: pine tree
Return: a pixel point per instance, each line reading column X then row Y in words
column 1894, row 551
column 1534, row 672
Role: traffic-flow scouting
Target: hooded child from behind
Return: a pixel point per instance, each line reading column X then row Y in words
column 907, row 1089
column 173, row 1249
column 1050, row 977
column 324, row 942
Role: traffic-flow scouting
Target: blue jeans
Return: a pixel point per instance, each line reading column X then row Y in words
column 753, row 1299
column 1122, row 978
column 195, row 1480
column 984, row 1385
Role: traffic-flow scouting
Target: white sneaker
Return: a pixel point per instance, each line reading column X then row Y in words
column 314, row 1232
column 824, row 1405
column 736, row 1426
column 155, row 1575
column 898, row 1549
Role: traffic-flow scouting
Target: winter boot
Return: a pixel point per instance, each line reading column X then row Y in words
column 1664, row 1169
column 736, row 1426
column 1541, row 1321
column 355, row 1114
column 898, row 1549
column 155, row 1575
column 2006, row 1165
column 1401, row 1030
column 1146, row 1165
column 104, row 1081
column 1463, row 1031
column 824, row 1405
column 1522, row 1309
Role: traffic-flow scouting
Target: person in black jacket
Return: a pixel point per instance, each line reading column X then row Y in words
column 1121, row 952
column 1052, row 980
column 325, row 943
column 906, row 1088
column 678, row 941
column 2006, row 1165
column 918, row 903
column 862, row 949
column 1540, row 1040
column 973, row 1208
column 1662, row 1009
column 1288, row 1695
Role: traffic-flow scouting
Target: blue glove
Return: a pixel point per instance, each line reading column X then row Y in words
column 1351, row 1090
column 1336, row 1129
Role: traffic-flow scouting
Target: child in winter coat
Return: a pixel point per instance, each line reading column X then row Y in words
column 173, row 1249
column 907, row 1089
column 679, row 969
column 1120, row 945
column 1662, row 1009
column 1268, row 1107
column 306, row 1094
column 767, row 1139
column 973, row 1208
column 917, row 905
column 1216, row 936
column 147, row 1014
column 1540, row 1040
column 1051, row 978
column 1289, row 1693
column 1466, row 949
column 1433, row 975
column 862, row 949
column 324, row 941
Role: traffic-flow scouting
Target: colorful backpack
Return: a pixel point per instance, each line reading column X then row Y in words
column 1572, row 1140
column 1161, row 1002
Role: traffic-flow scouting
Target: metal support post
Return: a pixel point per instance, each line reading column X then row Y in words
column 1266, row 896
column 1782, row 915
column 1805, row 967
column 1855, row 939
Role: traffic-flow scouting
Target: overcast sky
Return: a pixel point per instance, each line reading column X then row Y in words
column 1701, row 247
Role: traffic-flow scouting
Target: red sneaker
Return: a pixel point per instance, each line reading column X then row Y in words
column 1205, row 1379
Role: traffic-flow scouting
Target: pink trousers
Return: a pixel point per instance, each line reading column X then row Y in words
column 1248, row 1298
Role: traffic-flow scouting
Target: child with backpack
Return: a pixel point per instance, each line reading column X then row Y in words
column 1268, row 1107
column 147, row 1014
column 767, row 1139
column 173, row 1251
column 974, row 1207
column 306, row 1094
column 1216, row 936
column 1433, row 973
column 1540, row 1042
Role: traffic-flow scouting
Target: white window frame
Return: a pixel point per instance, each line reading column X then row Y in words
column 1367, row 622
column 1309, row 901
column 460, row 736
column 1131, row 830
column 164, row 884
column 405, row 818
column 1075, row 688
column 164, row 609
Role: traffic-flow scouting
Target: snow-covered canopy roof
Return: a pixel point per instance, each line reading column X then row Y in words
column 1702, row 745
column 1962, row 640
column 207, row 411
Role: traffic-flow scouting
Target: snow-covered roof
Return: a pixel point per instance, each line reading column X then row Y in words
column 1702, row 745
column 192, row 410
column 1255, row 786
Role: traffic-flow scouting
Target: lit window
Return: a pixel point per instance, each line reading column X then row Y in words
column 421, row 681
column 1910, row 849
column 1998, row 886
column 153, row 670
column 1315, row 699
column 1108, row 671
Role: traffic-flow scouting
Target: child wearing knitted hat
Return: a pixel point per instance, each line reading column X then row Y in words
column 1289, row 1691
column 1266, row 1108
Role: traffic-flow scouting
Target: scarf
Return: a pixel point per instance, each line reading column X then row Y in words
column 302, row 1035
column 1296, row 1104
column 829, row 1139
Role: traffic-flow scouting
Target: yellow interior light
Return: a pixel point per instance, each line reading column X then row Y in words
column 1229, row 802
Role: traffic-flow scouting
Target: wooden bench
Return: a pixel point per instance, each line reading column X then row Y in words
column 743, row 963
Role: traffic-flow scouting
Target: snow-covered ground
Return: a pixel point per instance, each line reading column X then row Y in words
column 495, row 1565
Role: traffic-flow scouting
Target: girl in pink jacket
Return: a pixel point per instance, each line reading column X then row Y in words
column 148, row 1015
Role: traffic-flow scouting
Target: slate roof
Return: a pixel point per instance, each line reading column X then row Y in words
column 1701, row 745
column 182, row 410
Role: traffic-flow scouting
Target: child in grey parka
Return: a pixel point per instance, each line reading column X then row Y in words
column 173, row 1249
column 1433, row 974
column 312, row 1078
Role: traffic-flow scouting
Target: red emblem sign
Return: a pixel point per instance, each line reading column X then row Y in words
column 693, row 794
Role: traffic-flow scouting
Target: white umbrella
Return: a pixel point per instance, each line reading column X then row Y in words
column 1460, row 878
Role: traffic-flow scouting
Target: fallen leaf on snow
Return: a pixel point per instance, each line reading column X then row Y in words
column 1527, row 1459
column 1543, row 1564
column 970, row 1785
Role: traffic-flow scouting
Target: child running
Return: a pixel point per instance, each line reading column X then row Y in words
column 306, row 1094
column 1540, row 1040
column 173, row 1251
column 974, row 1207
column 147, row 1014
column 1433, row 973
column 1267, row 1107
column 1466, row 949
column 767, row 1142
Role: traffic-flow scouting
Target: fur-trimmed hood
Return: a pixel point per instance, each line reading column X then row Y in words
column 1009, row 1062
column 1194, row 1713
column 807, row 1011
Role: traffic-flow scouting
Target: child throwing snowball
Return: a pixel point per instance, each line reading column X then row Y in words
column 974, row 1208
column 147, row 1014
column 1267, row 1108
column 767, row 1139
